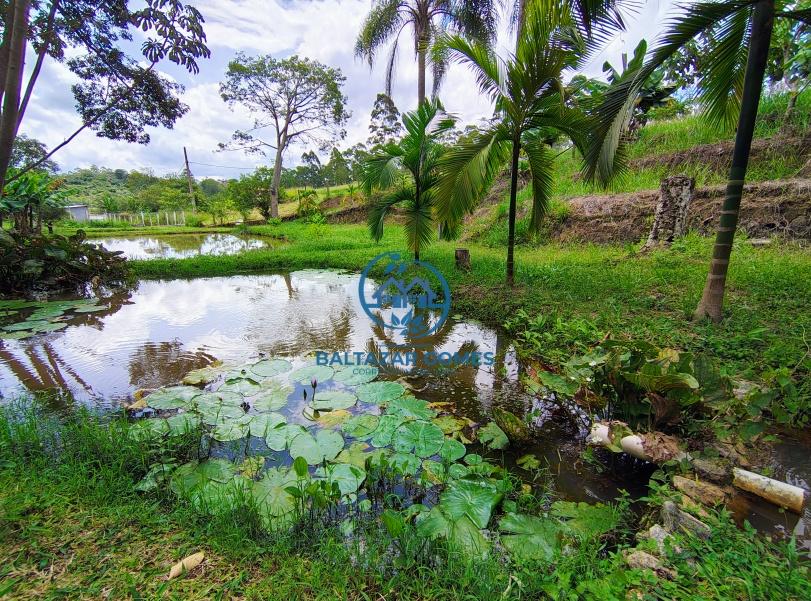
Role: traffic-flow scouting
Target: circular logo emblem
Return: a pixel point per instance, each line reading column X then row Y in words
column 412, row 297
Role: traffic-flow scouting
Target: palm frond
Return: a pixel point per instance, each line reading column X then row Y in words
column 803, row 15
column 541, row 166
column 382, row 171
column 419, row 223
column 467, row 171
column 487, row 67
column 380, row 207
column 379, row 26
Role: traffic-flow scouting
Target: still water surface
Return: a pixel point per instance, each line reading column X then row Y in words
column 180, row 246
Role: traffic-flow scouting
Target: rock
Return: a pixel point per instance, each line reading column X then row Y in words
column 676, row 520
column 716, row 470
column 703, row 492
column 658, row 534
column 694, row 507
column 757, row 242
column 640, row 560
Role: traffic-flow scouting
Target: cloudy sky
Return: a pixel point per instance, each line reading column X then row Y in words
column 320, row 29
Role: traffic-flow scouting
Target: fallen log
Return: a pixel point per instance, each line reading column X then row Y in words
column 643, row 446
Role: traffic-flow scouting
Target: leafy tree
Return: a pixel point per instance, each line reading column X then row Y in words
column 118, row 95
column 27, row 151
column 252, row 191
column 336, row 172
column 29, row 198
column 730, row 86
column 300, row 99
column 211, row 187
column 312, row 170
column 427, row 19
column 384, row 125
column 406, row 173
column 527, row 91
column 789, row 65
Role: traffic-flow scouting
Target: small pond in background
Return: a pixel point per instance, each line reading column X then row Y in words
column 179, row 246
column 154, row 334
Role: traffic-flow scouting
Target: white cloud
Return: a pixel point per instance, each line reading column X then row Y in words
column 320, row 29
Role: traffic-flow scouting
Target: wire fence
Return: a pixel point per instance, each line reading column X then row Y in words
column 143, row 218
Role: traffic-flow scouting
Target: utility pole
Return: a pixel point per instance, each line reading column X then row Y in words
column 191, row 182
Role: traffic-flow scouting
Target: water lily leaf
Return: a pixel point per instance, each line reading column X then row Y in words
column 183, row 423
column 232, row 430
column 173, row 397
column 348, row 477
column 273, row 398
column 90, row 308
column 352, row 375
column 450, row 424
column 305, row 375
column 406, row 463
column 274, row 503
column 330, row 400
column 264, row 422
column 409, row 407
column 493, row 437
column 278, row 438
column 584, row 519
column 360, row 426
column 433, row 472
column 215, row 399
column 424, row 438
column 385, row 430
column 304, row 445
column 192, row 475
column 25, row 325
column 531, row 538
column 330, row 419
column 472, row 499
column 48, row 327
column 461, row 533
column 271, row 367
column 251, row 466
column 19, row 335
column 330, row 443
column 21, row 303
column 244, row 386
column 46, row 313
column 452, row 450
column 358, row 454
column 380, row 392
column 512, row 425
column 219, row 414
column 458, row 471
column 149, row 429
column 156, row 477
column 528, row 462
column 202, row 376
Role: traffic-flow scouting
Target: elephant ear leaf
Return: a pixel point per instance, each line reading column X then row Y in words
column 530, row 538
column 586, row 520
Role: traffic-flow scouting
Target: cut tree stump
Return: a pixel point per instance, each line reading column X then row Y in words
column 670, row 219
column 463, row 259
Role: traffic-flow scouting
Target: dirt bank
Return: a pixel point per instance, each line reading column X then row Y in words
column 769, row 208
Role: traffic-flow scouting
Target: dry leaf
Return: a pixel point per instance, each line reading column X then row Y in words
column 139, row 404
column 186, row 565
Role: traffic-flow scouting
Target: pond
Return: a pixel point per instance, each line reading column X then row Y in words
column 155, row 334
column 179, row 246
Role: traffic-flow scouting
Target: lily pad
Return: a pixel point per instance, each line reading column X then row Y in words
column 325, row 445
column 264, row 422
column 202, row 376
column 305, row 375
column 193, row 474
column 530, row 538
column 433, row 472
column 182, row 423
column 149, row 429
column 25, row 325
column 157, row 475
column 278, row 438
column 330, row 419
column 379, row 392
column 268, row 368
column 385, row 430
column 231, row 430
column 215, row 399
column 410, row 407
column 244, row 386
column 360, row 426
column 273, row 501
column 406, row 463
column 330, row 400
column 219, row 414
column 173, row 397
column 272, row 398
column 450, row 424
column 584, row 519
column 20, row 335
column 353, row 375
column 358, row 454
column 493, row 437
column 90, row 308
column 251, row 466
column 424, row 438
column 472, row 499
column 452, row 450
column 348, row 477
column 512, row 425
column 528, row 462
column 460, row 533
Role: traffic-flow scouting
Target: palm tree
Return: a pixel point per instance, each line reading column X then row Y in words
column 427, row 18
column 406, row 174
column 729, row 88
column 527, row 89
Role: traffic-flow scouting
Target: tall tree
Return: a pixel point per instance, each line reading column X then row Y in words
column 527, row 89
column 298, row 98
column 384, row 124
column 27, row 151
column 730, row 86
column 119, row 95
column 427, row 19
column 406, row 174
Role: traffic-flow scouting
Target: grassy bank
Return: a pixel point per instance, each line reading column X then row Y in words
column 74, row 526
column 767, row 326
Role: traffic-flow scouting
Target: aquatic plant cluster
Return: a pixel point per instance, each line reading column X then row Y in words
column 23, row 318
column 316, row 441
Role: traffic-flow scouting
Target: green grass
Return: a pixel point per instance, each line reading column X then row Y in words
column 73, row 526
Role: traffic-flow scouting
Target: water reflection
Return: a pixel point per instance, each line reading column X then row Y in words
column 180, row 246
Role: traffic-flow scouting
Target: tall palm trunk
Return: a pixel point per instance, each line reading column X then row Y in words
column 511, row 226
column 421, row 60
column 712, row 299
column 13, row 76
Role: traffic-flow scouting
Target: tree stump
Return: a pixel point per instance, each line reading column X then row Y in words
column 463, row 259
column 670, row 219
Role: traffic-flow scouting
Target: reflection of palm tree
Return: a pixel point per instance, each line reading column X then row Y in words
column 292, row 293
column 156, row 364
